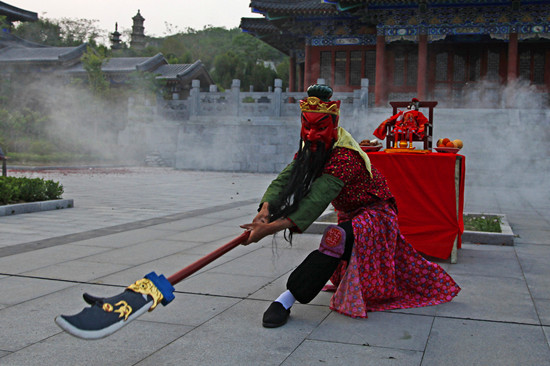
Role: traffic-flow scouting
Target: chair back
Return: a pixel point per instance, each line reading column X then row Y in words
column 428, row 131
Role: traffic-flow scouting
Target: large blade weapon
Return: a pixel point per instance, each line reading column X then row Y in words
column 105, row 316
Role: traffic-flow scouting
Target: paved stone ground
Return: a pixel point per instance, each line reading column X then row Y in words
column 129, row 221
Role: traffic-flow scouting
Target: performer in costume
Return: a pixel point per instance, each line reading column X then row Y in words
column 365, row 256
column 407, row 123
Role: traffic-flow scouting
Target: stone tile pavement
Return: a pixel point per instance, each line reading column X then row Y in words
column 129, row 221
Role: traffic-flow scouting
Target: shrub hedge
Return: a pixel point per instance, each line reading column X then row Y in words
column 16, row 190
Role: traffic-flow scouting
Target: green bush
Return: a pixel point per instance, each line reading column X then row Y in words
column 15, row 189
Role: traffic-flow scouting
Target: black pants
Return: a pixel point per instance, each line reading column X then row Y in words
column 309, row 278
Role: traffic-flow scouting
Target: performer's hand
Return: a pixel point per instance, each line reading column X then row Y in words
column 259, row 230
column 263, row 215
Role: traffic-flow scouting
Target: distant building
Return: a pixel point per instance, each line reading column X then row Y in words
column 26, row 61
column 138, row 32
column 115, row 39
column 430, row 49
column 14, row 14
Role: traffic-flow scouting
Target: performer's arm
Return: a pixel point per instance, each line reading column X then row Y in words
column 273, row 191
column 323, row 190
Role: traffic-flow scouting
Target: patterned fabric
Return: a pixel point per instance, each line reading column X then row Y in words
column 359, row 188
column 385, row 271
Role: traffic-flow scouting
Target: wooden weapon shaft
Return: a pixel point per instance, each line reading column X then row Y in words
column 209, row 258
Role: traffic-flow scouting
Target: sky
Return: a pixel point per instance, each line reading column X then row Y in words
column 180, row 15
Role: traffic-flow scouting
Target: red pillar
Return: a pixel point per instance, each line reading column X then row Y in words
column 422, row 66
column 301, row 76
column 307, row 67
column 379, row 89
column 292, row 74
column 512, row 57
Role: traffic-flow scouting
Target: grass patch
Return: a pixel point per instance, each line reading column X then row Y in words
column 486, row 223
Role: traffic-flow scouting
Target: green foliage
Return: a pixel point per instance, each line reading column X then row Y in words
column 15, row 189
column 92, row 62
column 227, row 55
column 18, row 126
column 63, row 32
column 4, row 25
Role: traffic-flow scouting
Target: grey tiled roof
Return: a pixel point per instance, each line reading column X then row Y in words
column 184, row 72
column 41, row 54
column 125, row 65
column 8, row 39
column 13, row 13
column 172, row 71
column 259, row 25
column 293, row 6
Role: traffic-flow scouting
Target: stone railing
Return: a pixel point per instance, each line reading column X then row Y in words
column 273, row 103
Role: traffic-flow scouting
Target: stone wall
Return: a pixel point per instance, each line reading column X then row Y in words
column 503, row 147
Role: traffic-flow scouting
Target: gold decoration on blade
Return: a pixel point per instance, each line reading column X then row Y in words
column 146, row 287
column 124, row 310
column 316, row 105
column 107, row 307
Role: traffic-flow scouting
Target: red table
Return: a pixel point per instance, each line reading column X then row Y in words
column 429, row 190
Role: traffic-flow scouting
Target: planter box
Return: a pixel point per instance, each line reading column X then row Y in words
column 21, row 208
column 505, row 237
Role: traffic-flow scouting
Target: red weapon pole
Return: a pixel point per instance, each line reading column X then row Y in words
column 209, row 258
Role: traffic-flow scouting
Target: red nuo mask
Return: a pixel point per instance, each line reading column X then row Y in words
column 319, row 121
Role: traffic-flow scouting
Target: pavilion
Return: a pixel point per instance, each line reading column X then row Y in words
column 430, row 49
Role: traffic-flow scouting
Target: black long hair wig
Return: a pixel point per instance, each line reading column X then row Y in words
column 308, row 165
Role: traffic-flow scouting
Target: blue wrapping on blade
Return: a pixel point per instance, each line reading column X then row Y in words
column 163, row 285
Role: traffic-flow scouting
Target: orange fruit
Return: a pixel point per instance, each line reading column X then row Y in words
column 445, row 141
column 450, row 144
column 458, row 143
column 439, row 143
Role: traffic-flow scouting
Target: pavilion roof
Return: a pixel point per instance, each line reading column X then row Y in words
column 258, row 25
column 13, row 13
column 184, row 72
column 41, row 54
column 129, row 64
column 282, row 7
column 125, row 65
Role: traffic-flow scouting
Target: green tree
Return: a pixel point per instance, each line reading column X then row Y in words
column 283, row 71
column 65, row 32
column 93, row 62
column 228, row 66
column 43, row 31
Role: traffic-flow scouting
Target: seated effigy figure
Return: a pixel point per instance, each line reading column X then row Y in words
column 408, row 123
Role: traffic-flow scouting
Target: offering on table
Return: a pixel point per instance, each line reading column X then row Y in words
column 446, row 145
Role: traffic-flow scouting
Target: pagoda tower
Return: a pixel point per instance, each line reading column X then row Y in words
column 138, row 35
column 115, row 39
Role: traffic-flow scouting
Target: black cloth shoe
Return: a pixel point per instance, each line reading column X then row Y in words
column 275, row 316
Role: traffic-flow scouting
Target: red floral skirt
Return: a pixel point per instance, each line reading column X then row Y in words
column 384, row 271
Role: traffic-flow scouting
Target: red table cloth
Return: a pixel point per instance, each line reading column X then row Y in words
column 429, row 190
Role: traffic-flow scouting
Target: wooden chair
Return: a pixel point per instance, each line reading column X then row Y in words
column 428, row 130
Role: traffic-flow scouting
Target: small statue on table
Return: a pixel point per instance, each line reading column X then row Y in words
column 407, row 124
